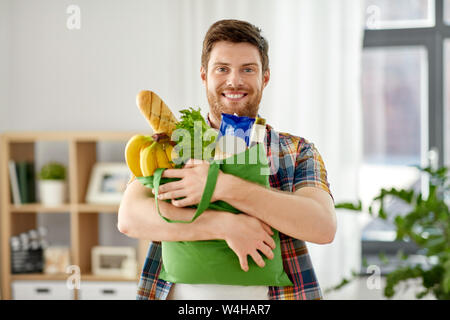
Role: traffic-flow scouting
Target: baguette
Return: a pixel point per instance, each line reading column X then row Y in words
column 157, row 113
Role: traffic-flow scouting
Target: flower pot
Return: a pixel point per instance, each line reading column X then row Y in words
column 52, row 192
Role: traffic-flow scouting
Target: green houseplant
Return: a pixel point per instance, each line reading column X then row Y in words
column 52, row 184
column 427, row 223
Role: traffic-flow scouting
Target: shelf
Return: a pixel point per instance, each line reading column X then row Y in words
column 84, row 218
column 37, row 207
column 88, row 207
column 39, row 276
column 67, row 136
column 81, row 208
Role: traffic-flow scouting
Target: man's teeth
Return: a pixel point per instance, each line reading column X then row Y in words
column 234, row 96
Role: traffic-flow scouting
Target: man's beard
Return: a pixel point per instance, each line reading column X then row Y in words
column 248, row 109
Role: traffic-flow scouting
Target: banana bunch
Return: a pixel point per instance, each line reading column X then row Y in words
column 144, row 154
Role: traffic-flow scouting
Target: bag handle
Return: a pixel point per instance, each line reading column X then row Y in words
column 208, row 191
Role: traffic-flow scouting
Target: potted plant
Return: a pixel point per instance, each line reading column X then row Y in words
column 427, row 224
column 52, row 184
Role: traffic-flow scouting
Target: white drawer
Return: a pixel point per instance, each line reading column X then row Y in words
column 41, row 290
column 101, row 290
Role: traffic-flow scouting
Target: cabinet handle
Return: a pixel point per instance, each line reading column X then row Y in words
column 108, row 291
column 42, row 290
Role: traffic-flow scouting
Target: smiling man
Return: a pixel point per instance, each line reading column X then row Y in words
column 235, row 72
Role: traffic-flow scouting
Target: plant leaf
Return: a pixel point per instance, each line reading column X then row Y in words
column 349, row 206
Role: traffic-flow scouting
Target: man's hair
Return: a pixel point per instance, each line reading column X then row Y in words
column 235, row 31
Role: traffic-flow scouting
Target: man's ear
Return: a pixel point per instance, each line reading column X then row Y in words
column 266, row 77
column 203, row 74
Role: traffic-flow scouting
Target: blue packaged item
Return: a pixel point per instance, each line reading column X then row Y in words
column 237, row 126
column 234, row 135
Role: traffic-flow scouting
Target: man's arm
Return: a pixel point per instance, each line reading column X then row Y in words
column 138, row 218
column 308, row 214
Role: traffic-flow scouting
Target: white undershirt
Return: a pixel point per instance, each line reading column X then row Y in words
column 183, row 291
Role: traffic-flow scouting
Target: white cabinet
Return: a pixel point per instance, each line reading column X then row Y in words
column 101, row 290
column 41, row 290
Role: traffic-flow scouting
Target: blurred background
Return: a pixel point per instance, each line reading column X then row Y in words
column 364, row 80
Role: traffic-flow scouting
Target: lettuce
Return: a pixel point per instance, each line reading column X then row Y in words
column 193, row 122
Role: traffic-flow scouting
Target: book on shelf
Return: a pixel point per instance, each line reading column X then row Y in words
column 22, row 182
column 15, row 194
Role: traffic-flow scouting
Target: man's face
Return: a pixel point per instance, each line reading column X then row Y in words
column 234, row 81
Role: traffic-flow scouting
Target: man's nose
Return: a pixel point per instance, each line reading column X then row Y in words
column 234, row 79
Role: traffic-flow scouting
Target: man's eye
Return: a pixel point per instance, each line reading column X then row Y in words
column 248, row 70
column 221, row 69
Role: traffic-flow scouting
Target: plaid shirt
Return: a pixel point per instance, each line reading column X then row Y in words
column 294, row 163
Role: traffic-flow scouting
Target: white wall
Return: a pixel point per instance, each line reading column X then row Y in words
column 4, row 59
column 85, row 79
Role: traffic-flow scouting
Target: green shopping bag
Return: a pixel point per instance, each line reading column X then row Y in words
column 212, row 261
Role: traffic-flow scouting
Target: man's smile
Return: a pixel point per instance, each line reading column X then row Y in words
column 234, row 95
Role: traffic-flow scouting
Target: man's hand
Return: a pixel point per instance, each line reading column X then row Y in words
column 190, row 187
column 246, row 235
